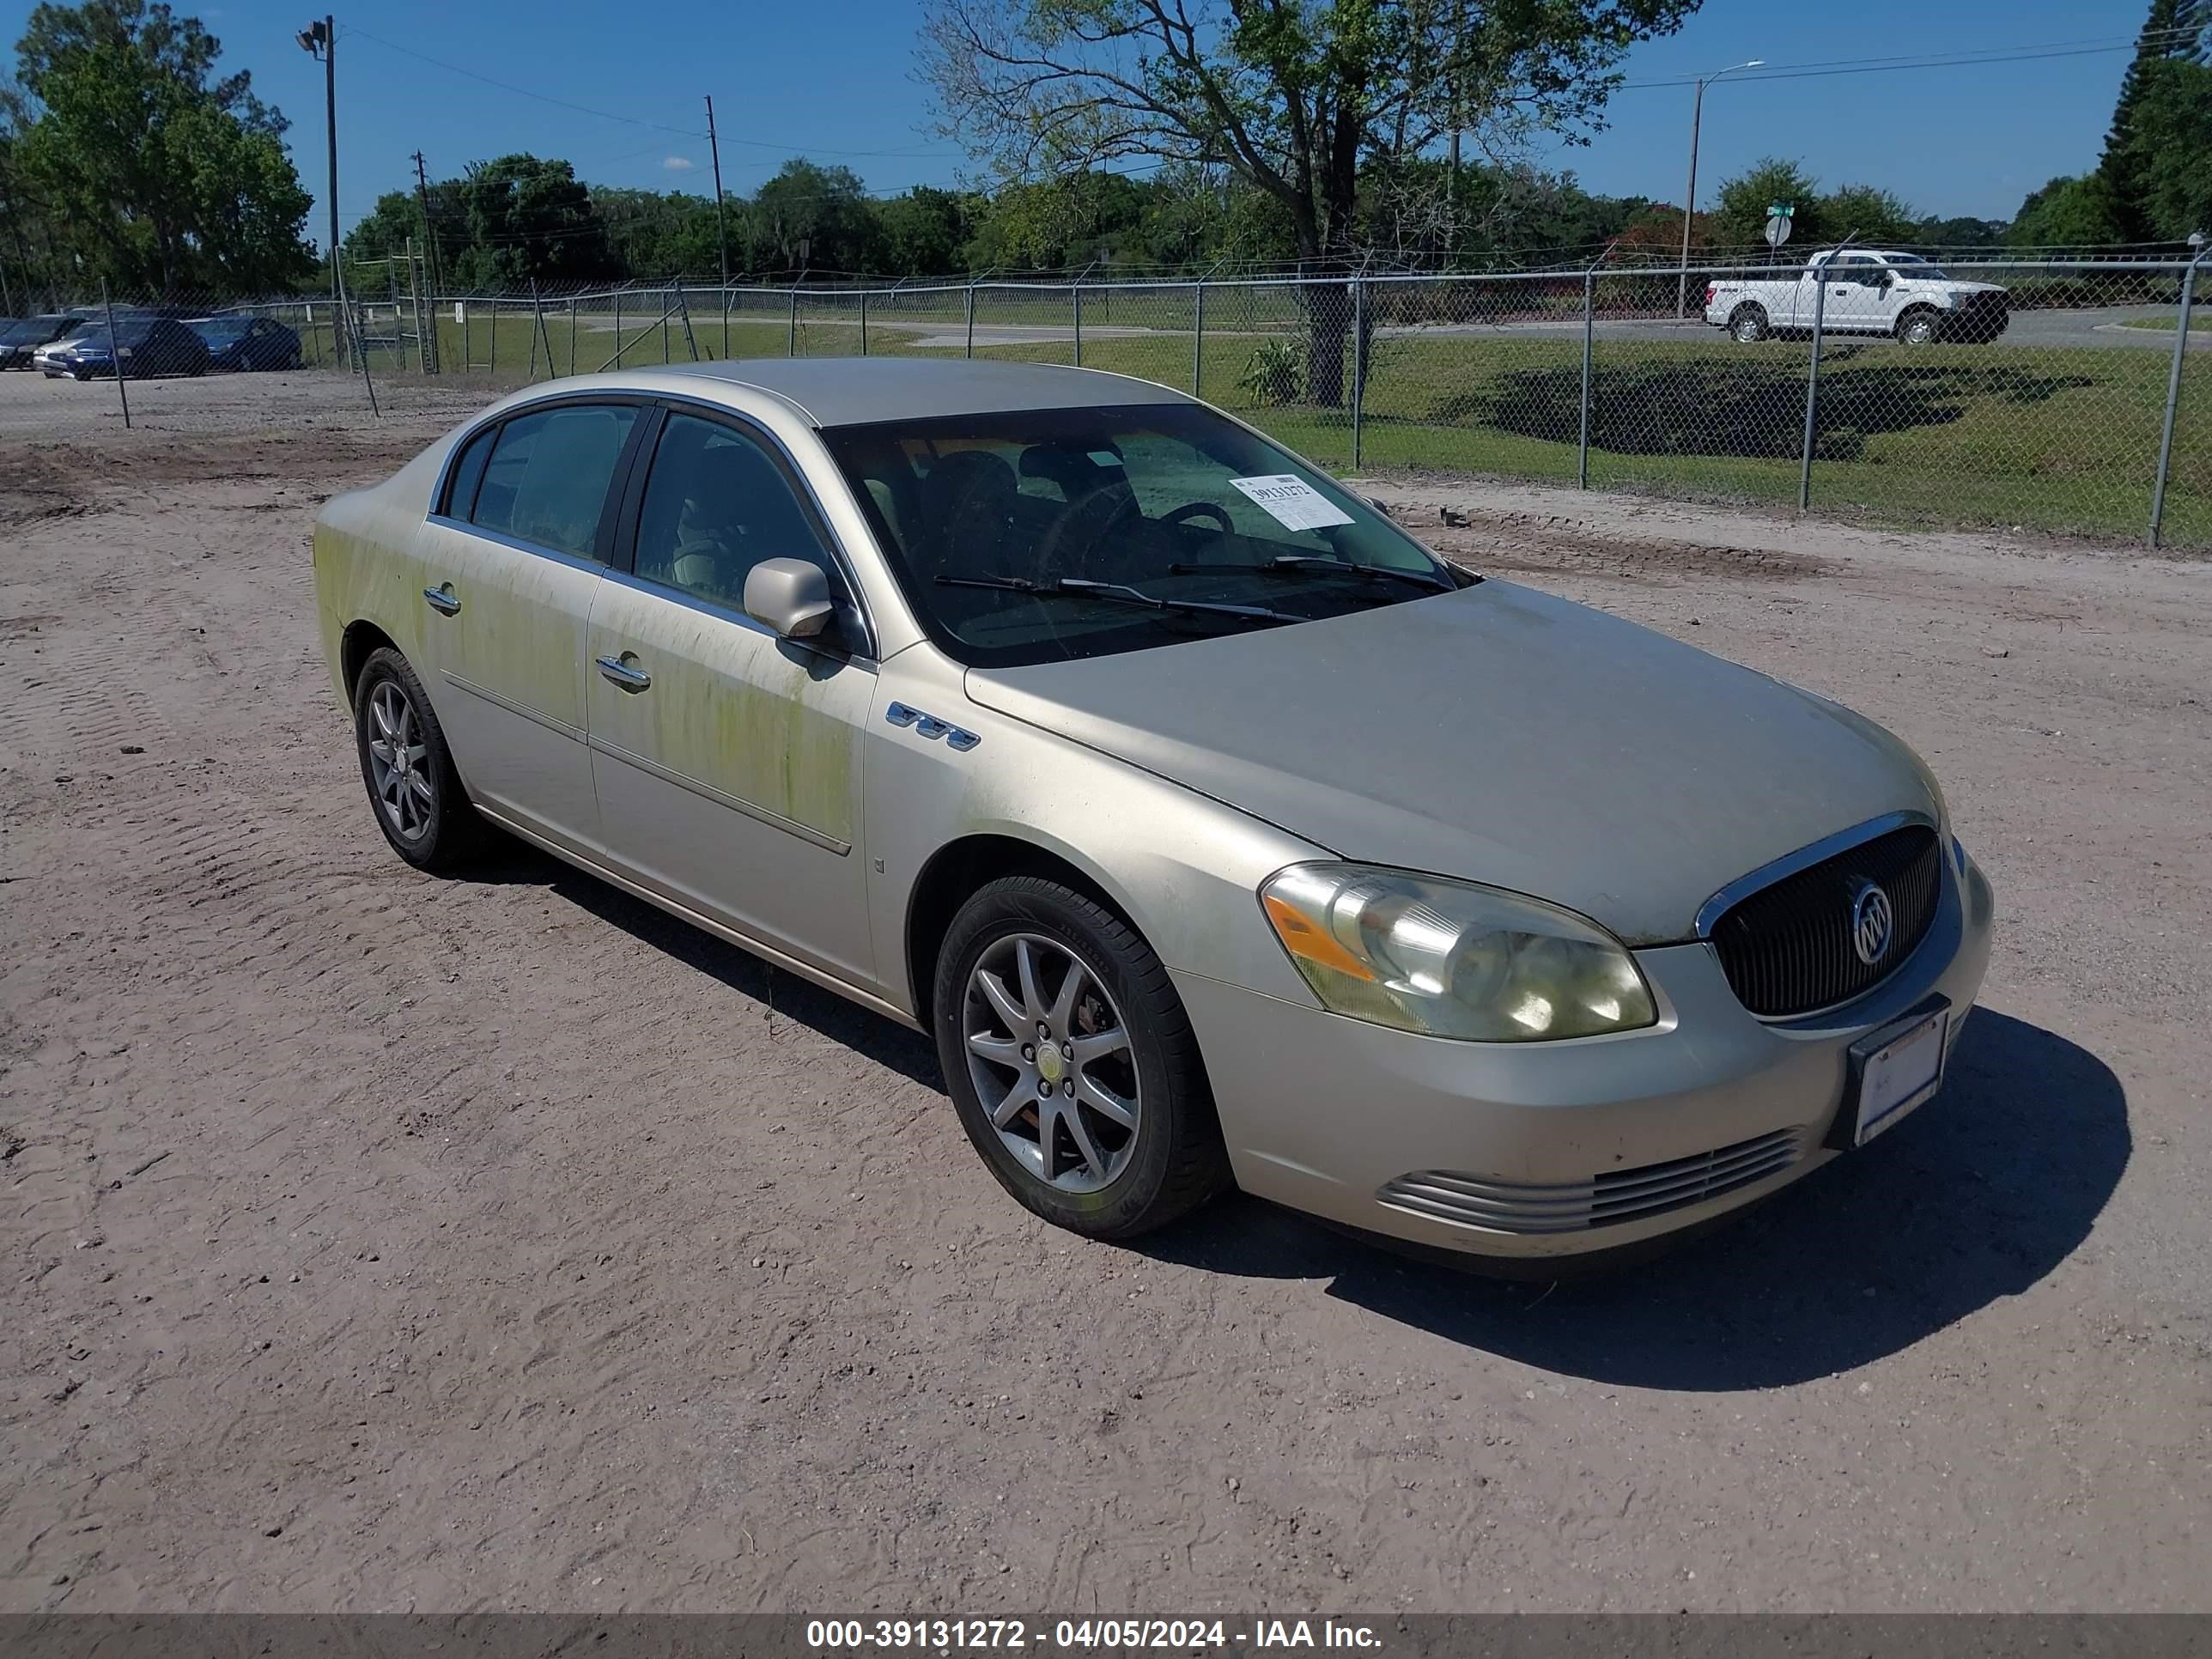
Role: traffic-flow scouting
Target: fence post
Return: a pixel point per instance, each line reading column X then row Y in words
column 726, row 315
column 115, row 353
column 684, row 305
column 2172, row 396
column 491, row 355
column 1812, row 380
column 1197, row 337
column 971, row 320
column 666, row 354
column 538, row 327
column 1359, row 362
column 1075, row 294
column 791, row 345
column 572, row 336
column 352, row 327
column 864, row 322
column 1589, row 309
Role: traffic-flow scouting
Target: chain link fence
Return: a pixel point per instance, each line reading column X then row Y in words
column 2048, row 396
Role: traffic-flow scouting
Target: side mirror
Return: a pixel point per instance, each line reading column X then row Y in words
column 790, row 597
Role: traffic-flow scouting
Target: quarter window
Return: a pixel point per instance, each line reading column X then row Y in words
column 468, row 473
column 715, row 506
column 546, row 482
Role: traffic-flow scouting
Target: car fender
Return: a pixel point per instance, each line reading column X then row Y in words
column 1184, row 869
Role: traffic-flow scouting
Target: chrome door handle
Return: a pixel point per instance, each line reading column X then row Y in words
column 443, row 599
column 630, row 679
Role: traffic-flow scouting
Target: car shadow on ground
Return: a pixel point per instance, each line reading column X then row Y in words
column 881, row 1039
column 1977, row 1195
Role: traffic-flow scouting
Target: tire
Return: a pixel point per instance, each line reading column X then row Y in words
column 1747, row 325
column 1087, row 1170
column 420, row 805
column 1919, row 328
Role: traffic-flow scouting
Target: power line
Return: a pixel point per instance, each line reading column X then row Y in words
column 632, row 120
column 1970, row 58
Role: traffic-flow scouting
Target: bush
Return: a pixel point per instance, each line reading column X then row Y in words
column 1276, row 372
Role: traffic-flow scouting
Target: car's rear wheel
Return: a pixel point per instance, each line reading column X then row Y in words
column 1747, row 325
column 416, row 794
column 1072, row 1063
column 1919, row 328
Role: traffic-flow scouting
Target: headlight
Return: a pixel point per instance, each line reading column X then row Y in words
column 1451, row 960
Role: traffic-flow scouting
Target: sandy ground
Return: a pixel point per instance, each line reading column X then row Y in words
column 379, row 1242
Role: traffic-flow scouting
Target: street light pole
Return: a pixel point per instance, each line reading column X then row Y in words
column 1690, row 200
column 321, row 40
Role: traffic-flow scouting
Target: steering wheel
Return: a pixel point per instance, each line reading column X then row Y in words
column 1189, row 510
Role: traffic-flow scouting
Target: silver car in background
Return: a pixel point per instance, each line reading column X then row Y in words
column 1216, row 830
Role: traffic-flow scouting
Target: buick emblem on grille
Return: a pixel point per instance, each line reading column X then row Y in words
column 1873, row 922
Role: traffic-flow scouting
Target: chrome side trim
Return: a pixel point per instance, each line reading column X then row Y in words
column 722, row 931
column 536, row 716
column 707, row 790
column 1804, row 858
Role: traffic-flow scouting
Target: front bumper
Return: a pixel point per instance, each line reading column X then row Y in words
column 1709, row 1111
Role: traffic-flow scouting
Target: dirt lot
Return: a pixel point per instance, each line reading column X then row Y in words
column 379, row 1242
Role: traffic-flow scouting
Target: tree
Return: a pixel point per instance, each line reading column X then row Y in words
column 826, row 208
column 926, row 230
column 1739, row 218
column 2173, row 29
column 2067, row 212
column 1293, row 95
column 528, row 221
column 1960, row 231
column 1874, row 215
column 2170, row 166
column 142, row 165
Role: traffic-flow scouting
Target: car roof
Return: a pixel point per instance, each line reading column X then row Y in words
column 832, row 391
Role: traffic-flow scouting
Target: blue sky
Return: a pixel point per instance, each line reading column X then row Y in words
column 833, row 79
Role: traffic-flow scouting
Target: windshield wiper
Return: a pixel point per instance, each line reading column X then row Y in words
column 1302, row 564
column 1077, row 587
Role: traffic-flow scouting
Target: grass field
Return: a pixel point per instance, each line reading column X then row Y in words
column 2058, row 440
column 2197, row 319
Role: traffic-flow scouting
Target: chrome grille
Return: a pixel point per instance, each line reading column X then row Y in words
column 1787, row 949
column 1508, row 1207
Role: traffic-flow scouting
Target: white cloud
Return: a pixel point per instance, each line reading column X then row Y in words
column 679, row 164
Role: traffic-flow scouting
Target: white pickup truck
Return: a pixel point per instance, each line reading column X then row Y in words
column 1870, row 291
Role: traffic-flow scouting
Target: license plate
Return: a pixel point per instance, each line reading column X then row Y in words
column 1893, row 1071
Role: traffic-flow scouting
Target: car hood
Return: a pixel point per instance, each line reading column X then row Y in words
column 1497, row 734
column 1951, row 285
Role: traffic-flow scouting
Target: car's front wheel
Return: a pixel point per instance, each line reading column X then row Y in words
column 1072, row 1063
column 417, row 795
column 1919, row 328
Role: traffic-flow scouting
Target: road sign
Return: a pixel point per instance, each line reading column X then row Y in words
column 1777, row 229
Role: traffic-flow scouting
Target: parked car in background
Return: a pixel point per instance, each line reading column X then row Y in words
column 245, row 343
column 1869, row 291
column 144, row 347
column 1216, row 829
column 20, row 337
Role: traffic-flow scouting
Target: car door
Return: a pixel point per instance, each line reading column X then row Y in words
column 1853, row 299
column 727, row 760
column 511, row 563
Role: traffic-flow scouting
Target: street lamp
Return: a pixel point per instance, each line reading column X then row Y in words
column 321, row 40
column 1689, row 202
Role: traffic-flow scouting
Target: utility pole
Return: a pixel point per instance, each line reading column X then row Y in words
column 321, row 40
column 1690, row 201
column 429, row 236
column 721, row 232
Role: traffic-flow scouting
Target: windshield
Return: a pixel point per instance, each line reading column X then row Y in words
column 1041, row 535
column 1913, row 265
column 26, row 334
column 222, row 330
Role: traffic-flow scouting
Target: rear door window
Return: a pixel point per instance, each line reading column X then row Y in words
column 546, row 480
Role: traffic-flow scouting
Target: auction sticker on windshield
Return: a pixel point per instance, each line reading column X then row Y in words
column 1293, row 503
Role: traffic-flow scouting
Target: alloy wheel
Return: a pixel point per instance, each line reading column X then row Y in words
column 398, row 762
column 1052, row 1062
